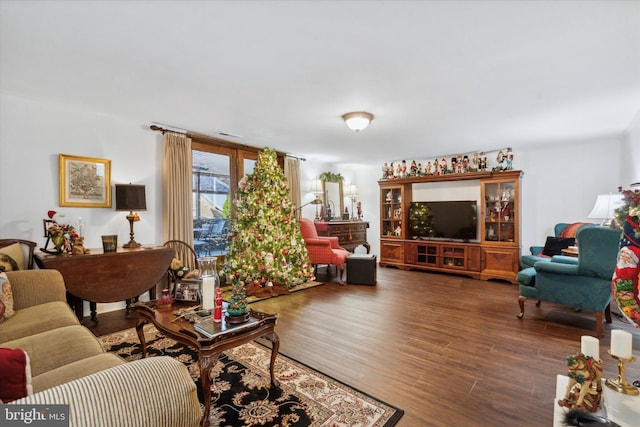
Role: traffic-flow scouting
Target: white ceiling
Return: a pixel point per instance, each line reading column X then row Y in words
column 441, row 77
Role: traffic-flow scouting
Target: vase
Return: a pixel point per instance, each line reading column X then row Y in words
column 209, row 281
column 58, row 241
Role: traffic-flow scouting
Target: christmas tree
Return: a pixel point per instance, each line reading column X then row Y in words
column 421, row 221
column 266, row 249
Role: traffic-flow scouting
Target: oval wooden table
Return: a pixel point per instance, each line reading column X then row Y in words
column 109, row 276
column 223, row 336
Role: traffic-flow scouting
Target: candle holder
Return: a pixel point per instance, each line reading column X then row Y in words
column 620, row 384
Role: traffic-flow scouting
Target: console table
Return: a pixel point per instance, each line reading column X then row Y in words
column 350, row 234
column 108, row 277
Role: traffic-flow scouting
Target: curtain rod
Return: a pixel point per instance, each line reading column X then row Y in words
column 164, row 128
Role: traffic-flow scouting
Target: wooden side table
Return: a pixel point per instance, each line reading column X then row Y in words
column 109, row 276
column 226, row 336
column 350, row 234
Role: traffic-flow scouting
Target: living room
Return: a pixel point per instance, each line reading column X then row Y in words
column 573, row 145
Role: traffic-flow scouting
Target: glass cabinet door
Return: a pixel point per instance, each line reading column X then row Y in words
column 391, row 213
column 499, row 212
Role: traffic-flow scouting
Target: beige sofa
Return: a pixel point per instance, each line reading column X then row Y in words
column 68, row 364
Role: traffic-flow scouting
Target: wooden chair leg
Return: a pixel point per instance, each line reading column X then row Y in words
column 599, row 329
column 607, row 313
column 521, row 301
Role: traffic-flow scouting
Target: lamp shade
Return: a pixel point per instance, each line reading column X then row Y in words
column 357, row 120
column 316, row 186
column 606, row 205
column 351, row 190
column 130, row 197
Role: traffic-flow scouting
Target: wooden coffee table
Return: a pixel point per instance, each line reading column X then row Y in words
column 209, row 349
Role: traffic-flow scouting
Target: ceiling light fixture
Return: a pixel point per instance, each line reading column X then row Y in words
column 357, row 120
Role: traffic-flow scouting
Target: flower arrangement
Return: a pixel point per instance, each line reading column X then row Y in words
column 62, row 236
column 629, row 210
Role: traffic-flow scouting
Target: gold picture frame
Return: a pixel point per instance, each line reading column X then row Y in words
column 84, row 181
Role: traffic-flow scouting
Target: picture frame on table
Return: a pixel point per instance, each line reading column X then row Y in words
column 84, row 181
column 185, row 291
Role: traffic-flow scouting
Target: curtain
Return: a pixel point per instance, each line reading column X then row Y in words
column 292, row 173
column 177, row 220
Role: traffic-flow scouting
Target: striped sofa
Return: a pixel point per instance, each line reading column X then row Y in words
column 69, row 366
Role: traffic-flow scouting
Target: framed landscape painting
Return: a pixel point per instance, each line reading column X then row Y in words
column 84, row 182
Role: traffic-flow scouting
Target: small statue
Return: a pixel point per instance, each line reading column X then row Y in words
column 414, row 168
column 454, row 164
column 459, row 164
column 403, row 169
column 397, row 231
column 465, row 164
column 428, row 168
column 585, row 386
column 78, row 246
column 385, row 171
column 502, row 161
column 443, row 166
column 509, row 159
column 483, row 162
column 475, row 162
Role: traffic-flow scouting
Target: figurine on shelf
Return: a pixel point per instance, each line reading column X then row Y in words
column 427, row 169
column 483, row 165
column 475, row 162
column 502, row 161
column 443, row 166
column 390, row 171
column 419, row 171
column 403, row 169
column 414, row 168
column 509, row 159
column 465, row 164
column 398, row 173
column 397, row 231
column 389, row 196
column 385, row 170
column 505, row 211
column 459, row 164
column 454, row 164
column 359, row 209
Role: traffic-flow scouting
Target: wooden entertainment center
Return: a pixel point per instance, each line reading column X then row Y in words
column 495, row 255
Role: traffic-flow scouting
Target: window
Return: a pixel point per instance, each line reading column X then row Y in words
column 218, row 166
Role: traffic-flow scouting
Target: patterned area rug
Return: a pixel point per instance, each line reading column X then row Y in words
column 240, row 392
column 270, row 292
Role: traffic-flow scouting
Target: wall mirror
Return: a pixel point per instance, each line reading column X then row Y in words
column 332, row 187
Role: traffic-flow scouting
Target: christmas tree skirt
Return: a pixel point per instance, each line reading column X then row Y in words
column 269, row 291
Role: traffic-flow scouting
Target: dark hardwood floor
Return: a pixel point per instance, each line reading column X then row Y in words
column 448, row 350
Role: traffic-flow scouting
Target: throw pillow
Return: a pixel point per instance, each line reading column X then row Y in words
column 572, row 229
column 6, row 298
column 15, row 380
column 555, row 245
column 11, row 258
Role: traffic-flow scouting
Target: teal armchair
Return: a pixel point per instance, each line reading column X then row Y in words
column 584, row 285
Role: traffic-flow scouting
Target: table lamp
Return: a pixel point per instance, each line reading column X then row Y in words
column 131, row 197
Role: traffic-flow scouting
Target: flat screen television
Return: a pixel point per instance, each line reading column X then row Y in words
column 448, row 220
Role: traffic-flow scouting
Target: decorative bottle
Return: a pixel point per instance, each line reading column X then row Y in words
column 209, row 281
column 217, row 309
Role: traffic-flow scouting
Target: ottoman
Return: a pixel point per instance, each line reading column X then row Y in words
column 361, row 269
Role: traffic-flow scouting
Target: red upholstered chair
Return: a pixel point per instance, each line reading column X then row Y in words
column 322, row 250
